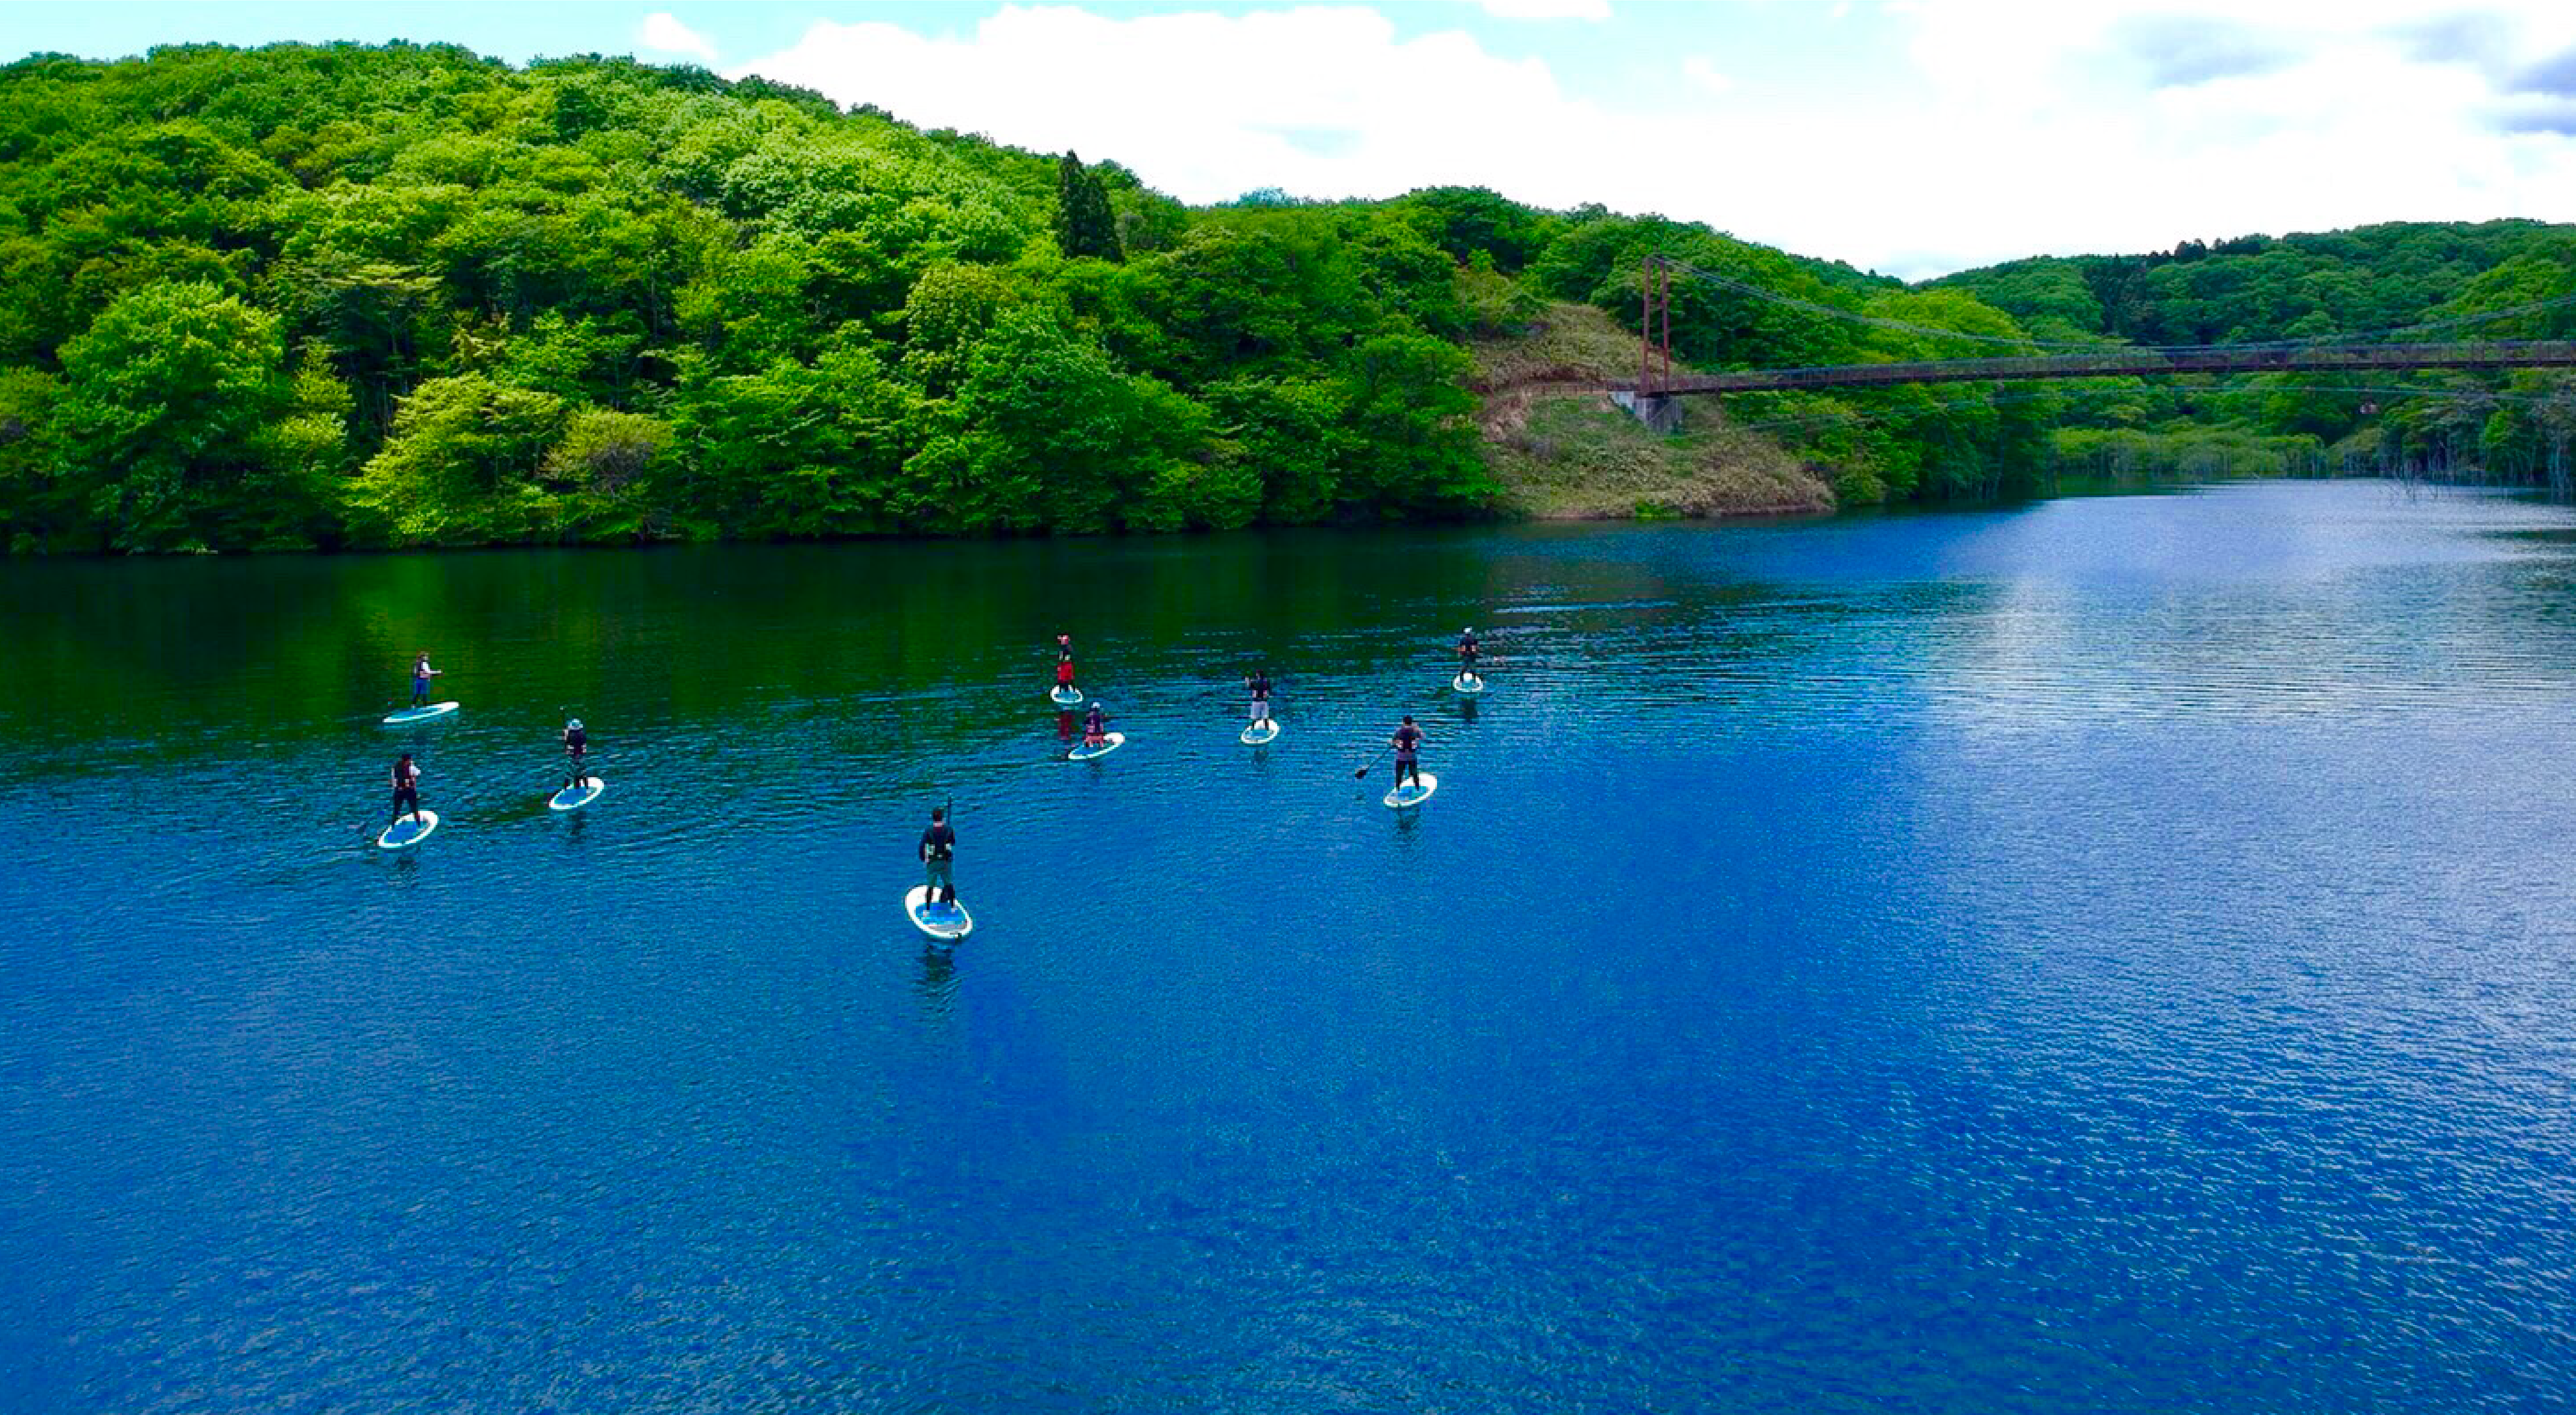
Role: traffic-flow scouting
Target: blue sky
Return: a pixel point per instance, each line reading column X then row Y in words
column 1913, row 136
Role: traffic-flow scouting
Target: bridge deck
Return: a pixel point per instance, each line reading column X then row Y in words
column 2130, row 363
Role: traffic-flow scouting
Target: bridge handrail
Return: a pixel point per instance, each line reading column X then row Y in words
column 2114, row 360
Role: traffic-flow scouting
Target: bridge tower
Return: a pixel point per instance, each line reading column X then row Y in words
column 1655, row 406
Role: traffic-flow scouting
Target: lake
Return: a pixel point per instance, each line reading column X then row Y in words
column 2112, row 954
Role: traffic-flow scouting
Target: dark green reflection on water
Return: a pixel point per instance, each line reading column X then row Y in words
column 911, row 639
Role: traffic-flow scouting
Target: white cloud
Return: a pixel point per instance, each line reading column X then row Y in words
column 1326, row 101
column 1546, row 9
column 663, row 32
column 1980, row 129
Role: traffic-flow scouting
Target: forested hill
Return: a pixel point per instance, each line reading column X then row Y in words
column 2256, row 288
column 408, row 296
column 2430, row 280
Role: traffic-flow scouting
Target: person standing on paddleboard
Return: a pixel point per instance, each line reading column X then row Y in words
column 406, row 790
column 421, row 673
column 577, row 747
column 1408, row 765
column 1095, row 728
column 1064, row 663
column 1258, row 685
column 938, row 847
column 1467, row 652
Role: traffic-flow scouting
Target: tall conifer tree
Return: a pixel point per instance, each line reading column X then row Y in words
column 1084, row 224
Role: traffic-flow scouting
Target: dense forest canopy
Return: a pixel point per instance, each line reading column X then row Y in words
column 2489, row 280
column 405, row 295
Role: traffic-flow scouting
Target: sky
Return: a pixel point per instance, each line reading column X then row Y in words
column 1913, row 137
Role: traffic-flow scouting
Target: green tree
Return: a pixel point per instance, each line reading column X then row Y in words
column 163, row 404
column 33, row 508
column 605, row 466
column 463, row 467
column 1291, row 433
column 948, row 313
column 1046, row 433
column 799, row 450
column 1413, row 442
column 1084, row 224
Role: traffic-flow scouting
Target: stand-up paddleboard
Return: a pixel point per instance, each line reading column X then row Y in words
column 1414, row 792
column 418, row 714
column 574, row 798
column 1467, row 683
column 941, row 921
column 405, row 833
column 1109, row 742
column 1066, row 697
column 1256, row 733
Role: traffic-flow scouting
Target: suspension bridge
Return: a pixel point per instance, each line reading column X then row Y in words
column 1650, row 395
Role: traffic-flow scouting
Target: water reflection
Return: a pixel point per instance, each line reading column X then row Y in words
column 1830, row 945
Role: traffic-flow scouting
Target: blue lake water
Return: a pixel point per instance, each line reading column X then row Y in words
column 2110, row 955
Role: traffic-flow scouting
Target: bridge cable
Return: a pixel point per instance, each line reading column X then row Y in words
column 1864, row 415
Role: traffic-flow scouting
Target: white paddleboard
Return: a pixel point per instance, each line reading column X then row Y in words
column 1256, row 733
column 941, row 921
column 418, row 714
column 1066, row 697
column 405, row 833
column 1109, row 742
column 1468, row 683
column 569, row 799
column 1414, row 792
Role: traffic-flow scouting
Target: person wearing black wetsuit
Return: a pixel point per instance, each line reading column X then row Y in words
column 406, row 790
column 1408, row 764
column 938, row 847
column 577, row 747
column 1258, row 685
column 1467, row 651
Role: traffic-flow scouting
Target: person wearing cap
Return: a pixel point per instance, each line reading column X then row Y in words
column 577, row 747
column 1095, row 727
column 1467, row 652
column 1408, row 764
column 1063, row 662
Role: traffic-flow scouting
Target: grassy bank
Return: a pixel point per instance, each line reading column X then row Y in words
column 1560, row 453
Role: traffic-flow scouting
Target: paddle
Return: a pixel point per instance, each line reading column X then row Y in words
column 947, row 815
column 1363, row 771
column 1372, row 762
column 372, row 831
column 1382, row 751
